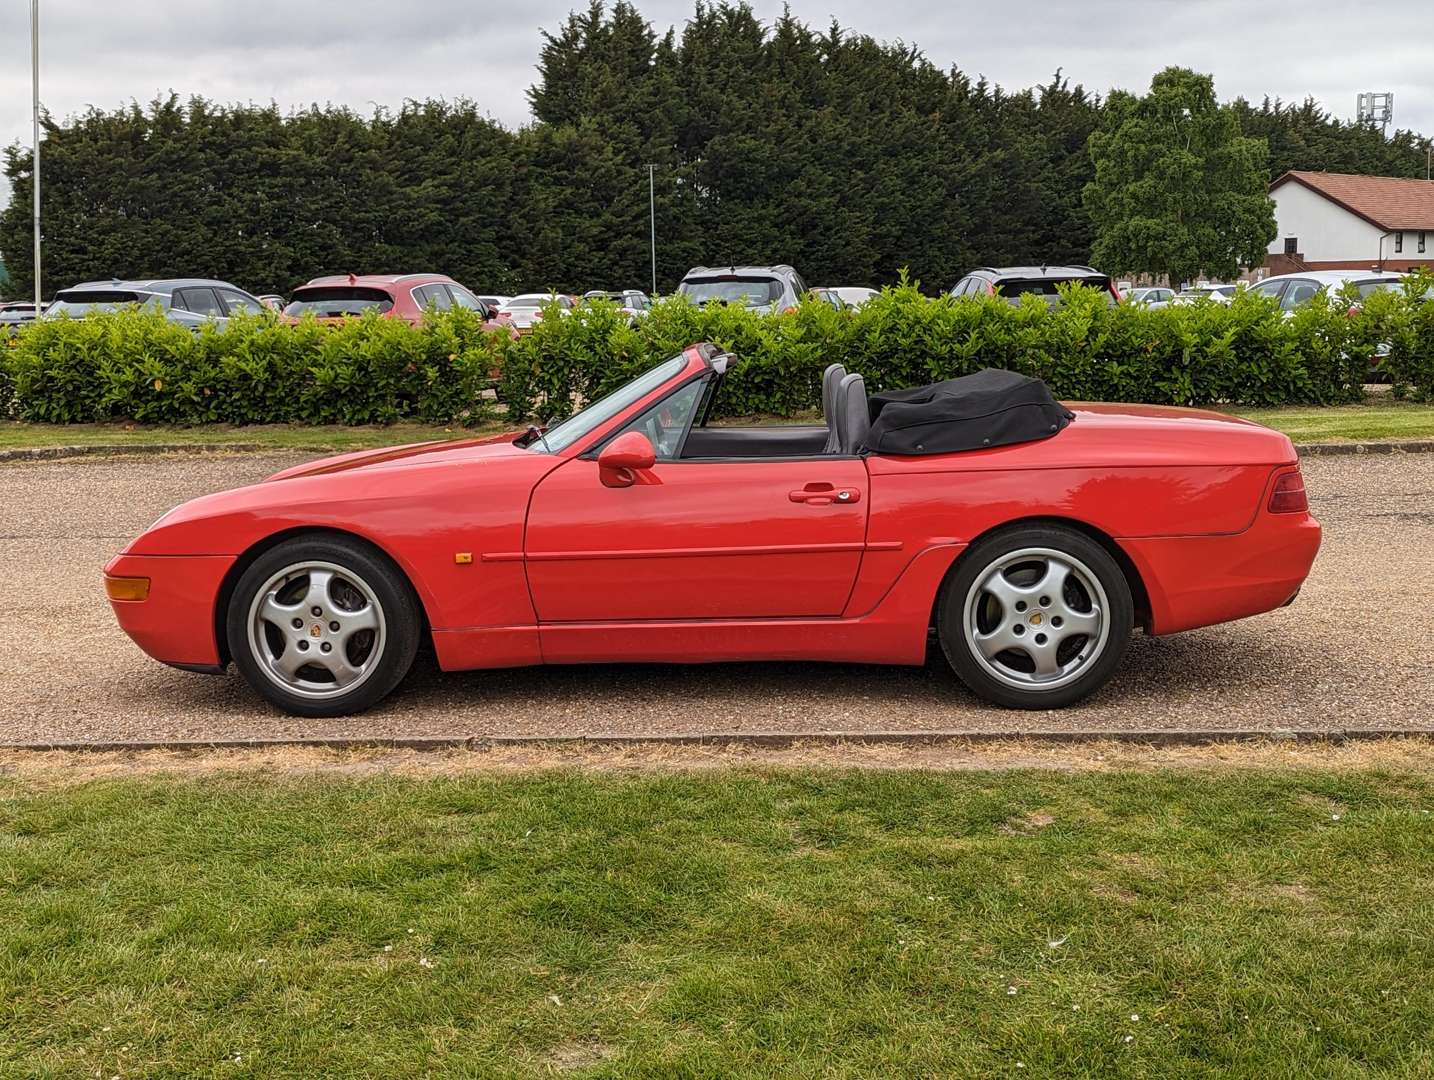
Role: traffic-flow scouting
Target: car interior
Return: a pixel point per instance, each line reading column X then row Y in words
column 844, row 408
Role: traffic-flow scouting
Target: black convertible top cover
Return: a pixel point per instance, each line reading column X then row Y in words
column 990, row 408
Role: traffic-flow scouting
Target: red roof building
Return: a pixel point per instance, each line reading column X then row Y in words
column 1338, row 221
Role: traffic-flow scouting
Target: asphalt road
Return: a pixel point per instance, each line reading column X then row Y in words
column 1355, row 651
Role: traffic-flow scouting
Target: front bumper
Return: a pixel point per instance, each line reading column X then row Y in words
column 175, row 623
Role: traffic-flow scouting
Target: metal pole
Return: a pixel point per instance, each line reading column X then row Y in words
column 35, row 159
column 652, row 207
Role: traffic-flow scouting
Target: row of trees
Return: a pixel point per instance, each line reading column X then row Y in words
column 847, row 157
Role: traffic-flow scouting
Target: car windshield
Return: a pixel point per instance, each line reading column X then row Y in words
column 731, row 289
column 79, row 302
column 564, row 434
column 334, row 301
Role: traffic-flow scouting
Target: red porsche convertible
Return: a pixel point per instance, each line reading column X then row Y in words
column 1028, row 539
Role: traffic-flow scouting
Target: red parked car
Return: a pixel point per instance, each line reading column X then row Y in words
column 634, row 531
column 398, row 296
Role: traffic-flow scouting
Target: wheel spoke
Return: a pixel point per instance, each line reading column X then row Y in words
column 290, row 661
column 352, row 622
column 337, row 664
column 281, row 615
column 318, row 594
column 1053, row 581
column 1086, row 623
column 999, row 640
column 1005, row 592
column 1044, row 657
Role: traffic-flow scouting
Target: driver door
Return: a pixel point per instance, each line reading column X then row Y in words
column 696, row 539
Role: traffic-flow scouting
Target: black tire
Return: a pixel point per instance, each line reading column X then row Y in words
column 991, row 678
column 356, row 566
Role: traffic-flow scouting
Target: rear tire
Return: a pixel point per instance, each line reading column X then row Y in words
column 323, row 626
column 1035, row 617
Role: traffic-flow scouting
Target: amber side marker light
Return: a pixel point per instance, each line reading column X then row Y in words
column 127, row 588
column 1289, row 495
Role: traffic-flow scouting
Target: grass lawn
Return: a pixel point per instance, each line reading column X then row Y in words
column 1385, row 419
column 771, row 922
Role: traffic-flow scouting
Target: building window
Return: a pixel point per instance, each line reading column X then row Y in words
column 1398, row 242
column 1421, row 243
column 1292, row 245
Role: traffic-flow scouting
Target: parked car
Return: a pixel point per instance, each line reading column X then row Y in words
column 15, row 314
column 767, row 289
column 829, row 296
column 191, row 302
column 397, row 296
column 527, row 309
column 273, row 301
column 854, row 295
column 494, row 302
column 632, row 301
column 1154, row 296
column 1014, row 282
column 1292, row 290
column 635, row 532
column 1221, row 294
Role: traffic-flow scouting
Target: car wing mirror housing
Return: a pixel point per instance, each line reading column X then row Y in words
column 622, row 459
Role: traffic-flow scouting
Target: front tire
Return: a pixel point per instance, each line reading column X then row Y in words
column 323, row 626
column 1035, row 617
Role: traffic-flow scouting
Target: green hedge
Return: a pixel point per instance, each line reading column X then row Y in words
column 138, row 366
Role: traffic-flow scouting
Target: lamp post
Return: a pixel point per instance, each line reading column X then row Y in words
column 35, row 158
column 652, row 221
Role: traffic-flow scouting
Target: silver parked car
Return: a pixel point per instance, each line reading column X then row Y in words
column 1151, row 296
column 854, row 295
column 1292, row 290
column 1221, row 294
column 191, row 302
column 527, row 309
column 767, row 289
column 632, row 301
column 15, row 314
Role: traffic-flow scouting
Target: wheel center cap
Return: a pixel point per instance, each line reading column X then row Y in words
column 316, row 630
column 1037, row 618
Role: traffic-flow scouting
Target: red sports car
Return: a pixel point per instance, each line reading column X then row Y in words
column 637, row 531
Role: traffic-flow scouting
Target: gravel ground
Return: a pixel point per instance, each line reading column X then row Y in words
column 1352, row 652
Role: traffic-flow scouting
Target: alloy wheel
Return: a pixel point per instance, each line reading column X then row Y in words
column 1036, row 618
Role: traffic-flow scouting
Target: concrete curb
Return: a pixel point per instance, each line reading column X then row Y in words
column 1336, row 449
column 48, row 453
column 753, row 739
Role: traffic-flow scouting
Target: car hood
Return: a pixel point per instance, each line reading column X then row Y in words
column 489, row 446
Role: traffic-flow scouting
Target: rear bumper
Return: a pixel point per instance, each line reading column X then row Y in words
column 1200, row 580
column 175, row 623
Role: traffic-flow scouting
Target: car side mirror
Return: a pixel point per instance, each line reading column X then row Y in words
column 626, row 455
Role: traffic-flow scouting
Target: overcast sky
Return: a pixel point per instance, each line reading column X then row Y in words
column 360, row 52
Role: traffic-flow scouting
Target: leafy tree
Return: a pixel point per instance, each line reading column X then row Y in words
column 1178, row 190
column 850, row 158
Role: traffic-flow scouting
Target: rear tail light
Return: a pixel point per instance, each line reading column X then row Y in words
column 1289, row 494
column 789, row 311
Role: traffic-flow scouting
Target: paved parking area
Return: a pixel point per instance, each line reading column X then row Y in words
column 1355, row 651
